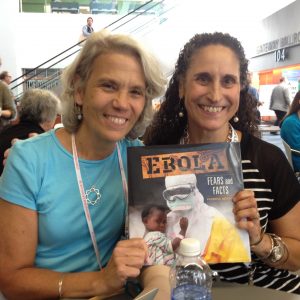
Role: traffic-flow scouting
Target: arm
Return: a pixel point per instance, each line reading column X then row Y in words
column 271, row 100
column 8, row 108
column 84, row 31
column 156, row 277
column 247, row 217
column 287, row 96
column 6, row 152
column 20, row 279
column 286, row 228
column 184, row 222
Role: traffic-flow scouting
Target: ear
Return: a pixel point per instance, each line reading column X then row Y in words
column 79, row 94
column 78, row 97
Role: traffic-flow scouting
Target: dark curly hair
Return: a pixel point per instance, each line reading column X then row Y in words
column 295, row 106
column 167, row 127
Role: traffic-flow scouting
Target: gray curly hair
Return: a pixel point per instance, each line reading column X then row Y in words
column 39, row 106
column 104, row 42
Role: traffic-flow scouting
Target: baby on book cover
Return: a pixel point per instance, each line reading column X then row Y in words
column 181, row 210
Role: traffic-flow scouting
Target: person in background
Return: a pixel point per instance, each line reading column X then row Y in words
column 37, row 113
column 207, row 102
column 290, row 130
column 88, row 29
column 7, row 107
column 280, row 101
column 5, row 77
column 63, row 214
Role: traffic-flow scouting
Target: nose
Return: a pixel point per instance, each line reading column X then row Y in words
column 215, row 91
column 121, row 100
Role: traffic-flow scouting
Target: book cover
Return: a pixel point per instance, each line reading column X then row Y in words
column 179, row 191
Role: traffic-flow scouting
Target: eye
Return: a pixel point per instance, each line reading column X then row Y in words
column 203, row 78
column 228, row 81
column 108, row 86
column 137, row 92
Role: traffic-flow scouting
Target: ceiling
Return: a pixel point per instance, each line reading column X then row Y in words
column 241, row 19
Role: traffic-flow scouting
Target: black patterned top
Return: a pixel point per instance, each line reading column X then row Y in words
column 267, row 172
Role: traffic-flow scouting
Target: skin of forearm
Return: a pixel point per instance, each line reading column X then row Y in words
column 33, row 283
column 293, row 262
column 156, row 276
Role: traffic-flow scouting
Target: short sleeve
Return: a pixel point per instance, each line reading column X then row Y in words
column 19, row 180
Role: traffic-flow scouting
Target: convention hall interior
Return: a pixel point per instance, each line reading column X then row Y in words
column 43, row 36
column 40, row 38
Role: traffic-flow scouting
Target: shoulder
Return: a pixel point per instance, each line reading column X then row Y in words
column 253, row 145
column 266, row 157
column 4, row 87
column 34, row 144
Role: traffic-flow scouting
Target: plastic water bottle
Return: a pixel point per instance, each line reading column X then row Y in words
column 190, row 275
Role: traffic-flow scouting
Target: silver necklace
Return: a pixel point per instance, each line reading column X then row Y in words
column 92, row 194
column 231, row 136
column 92, row 190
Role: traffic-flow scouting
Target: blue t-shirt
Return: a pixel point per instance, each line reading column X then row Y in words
column 290, row 132
column 40, row 175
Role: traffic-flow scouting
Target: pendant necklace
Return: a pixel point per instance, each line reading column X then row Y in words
column 84, row 198
column 92, row 194
column 232, row 136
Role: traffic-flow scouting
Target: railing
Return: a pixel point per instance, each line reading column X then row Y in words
column 36, row 78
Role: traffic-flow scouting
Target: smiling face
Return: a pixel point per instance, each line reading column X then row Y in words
column 113, row 98
column 211, row 90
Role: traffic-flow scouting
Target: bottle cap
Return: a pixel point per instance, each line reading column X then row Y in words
column 190, row 247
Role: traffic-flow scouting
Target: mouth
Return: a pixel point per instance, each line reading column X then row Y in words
column 116, row 120
column 212, row 109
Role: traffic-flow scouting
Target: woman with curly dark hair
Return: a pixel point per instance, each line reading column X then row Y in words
column 171, row 120
column 207, row 102
column 290, row 130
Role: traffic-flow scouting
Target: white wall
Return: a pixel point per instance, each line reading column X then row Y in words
column 29, row 39
column 8, row 19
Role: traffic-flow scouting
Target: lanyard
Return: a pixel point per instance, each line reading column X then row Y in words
column 84, row 200
column 125, row 189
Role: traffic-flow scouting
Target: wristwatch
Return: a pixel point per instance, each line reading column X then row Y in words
column 277, row 250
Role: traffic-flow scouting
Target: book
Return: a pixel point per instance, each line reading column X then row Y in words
column 179, row 191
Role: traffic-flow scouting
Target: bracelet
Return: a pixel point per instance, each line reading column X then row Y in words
column 60, row 284
column 286, row 250
column 262, row 233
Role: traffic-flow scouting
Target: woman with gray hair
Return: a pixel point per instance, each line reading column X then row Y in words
column 63, row 214
column 37, row 113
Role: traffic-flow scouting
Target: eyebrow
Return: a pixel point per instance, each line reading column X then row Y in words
column 114, row 81
column 208, row 74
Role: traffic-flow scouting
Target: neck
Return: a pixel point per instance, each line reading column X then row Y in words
column 197, row 136
column 92, row 147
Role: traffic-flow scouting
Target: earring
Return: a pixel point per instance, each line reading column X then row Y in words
column 78, row 112
column 181, row 108
column 236, row 119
